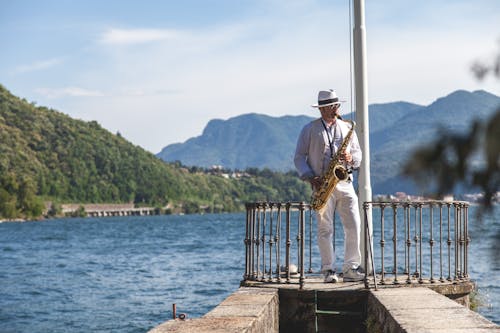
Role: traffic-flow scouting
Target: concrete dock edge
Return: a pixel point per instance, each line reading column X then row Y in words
column 247, row 310
column 416, row 310
column 284, row 308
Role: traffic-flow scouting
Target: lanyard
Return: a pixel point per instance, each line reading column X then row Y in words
column 328, row 134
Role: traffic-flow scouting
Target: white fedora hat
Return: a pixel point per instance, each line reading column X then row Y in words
column 326, row 98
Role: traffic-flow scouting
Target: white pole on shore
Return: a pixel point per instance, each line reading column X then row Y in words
column 362, row 120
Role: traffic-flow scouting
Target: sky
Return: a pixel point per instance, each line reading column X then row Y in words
column 157, row 71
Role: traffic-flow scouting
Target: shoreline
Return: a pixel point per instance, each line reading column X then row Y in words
column 12, row 220
column 43, row 217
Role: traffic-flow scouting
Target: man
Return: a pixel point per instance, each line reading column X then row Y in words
column 318, row 143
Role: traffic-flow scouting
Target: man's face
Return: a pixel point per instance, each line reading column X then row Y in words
column 329, row 113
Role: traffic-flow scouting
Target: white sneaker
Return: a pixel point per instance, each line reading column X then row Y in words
column 330, row 277
column 352, row 275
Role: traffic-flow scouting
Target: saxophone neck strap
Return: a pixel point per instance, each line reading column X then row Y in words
column 330, row 136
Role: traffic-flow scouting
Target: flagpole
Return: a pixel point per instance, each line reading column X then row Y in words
column 362, row 120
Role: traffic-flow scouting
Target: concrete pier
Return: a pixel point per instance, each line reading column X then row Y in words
column 249, row 310
column 340, row 307
column 416, row 310
column 106, row 210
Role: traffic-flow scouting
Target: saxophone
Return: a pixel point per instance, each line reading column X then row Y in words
column 336, row 172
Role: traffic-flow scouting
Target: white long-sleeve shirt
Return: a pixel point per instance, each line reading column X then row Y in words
column 312, row 154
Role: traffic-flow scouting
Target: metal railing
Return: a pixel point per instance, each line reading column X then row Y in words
column 429, row 239
column 268, row 241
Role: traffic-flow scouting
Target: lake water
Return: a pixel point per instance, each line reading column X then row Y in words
column 122, row 274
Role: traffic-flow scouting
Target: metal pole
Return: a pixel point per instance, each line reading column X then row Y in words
column 457, row 216
column 247, row 244
column 288, row 242
column 361, row 108
column 278, row 245
column 441, row 279
column 420, row 239
column 365, row 259
column 382, row 244
column 302, row 228
column 257, row 241
column 408, row 243
column 431, row 241
column 263, row 240
column 466, row 239
column 253, row 242
column 271, row 242
column 367, row 247
column 449, row 243
column 395, row 241
column 310, row 240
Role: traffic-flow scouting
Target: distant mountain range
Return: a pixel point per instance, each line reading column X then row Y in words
column 396, row 129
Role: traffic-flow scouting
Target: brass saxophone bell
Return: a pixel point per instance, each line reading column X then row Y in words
column 340, row 172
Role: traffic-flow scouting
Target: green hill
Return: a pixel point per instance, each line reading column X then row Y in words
column 46, row 155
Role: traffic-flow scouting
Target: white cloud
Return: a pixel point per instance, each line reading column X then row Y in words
column 266, row 66
column 38, row 65
column 52, row 93
column 137, row 36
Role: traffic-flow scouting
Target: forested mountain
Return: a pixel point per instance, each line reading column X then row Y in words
column 47, row 156
column 249, row 140
column 391, row 146
column 395, row 130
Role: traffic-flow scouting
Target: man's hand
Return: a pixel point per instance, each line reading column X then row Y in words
column 315, row 182
column 347, row 157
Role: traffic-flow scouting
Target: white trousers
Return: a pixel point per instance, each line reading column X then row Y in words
column 345, row 201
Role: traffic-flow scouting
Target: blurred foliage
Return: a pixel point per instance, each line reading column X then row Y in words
column 446, row 163
column 46, row 156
